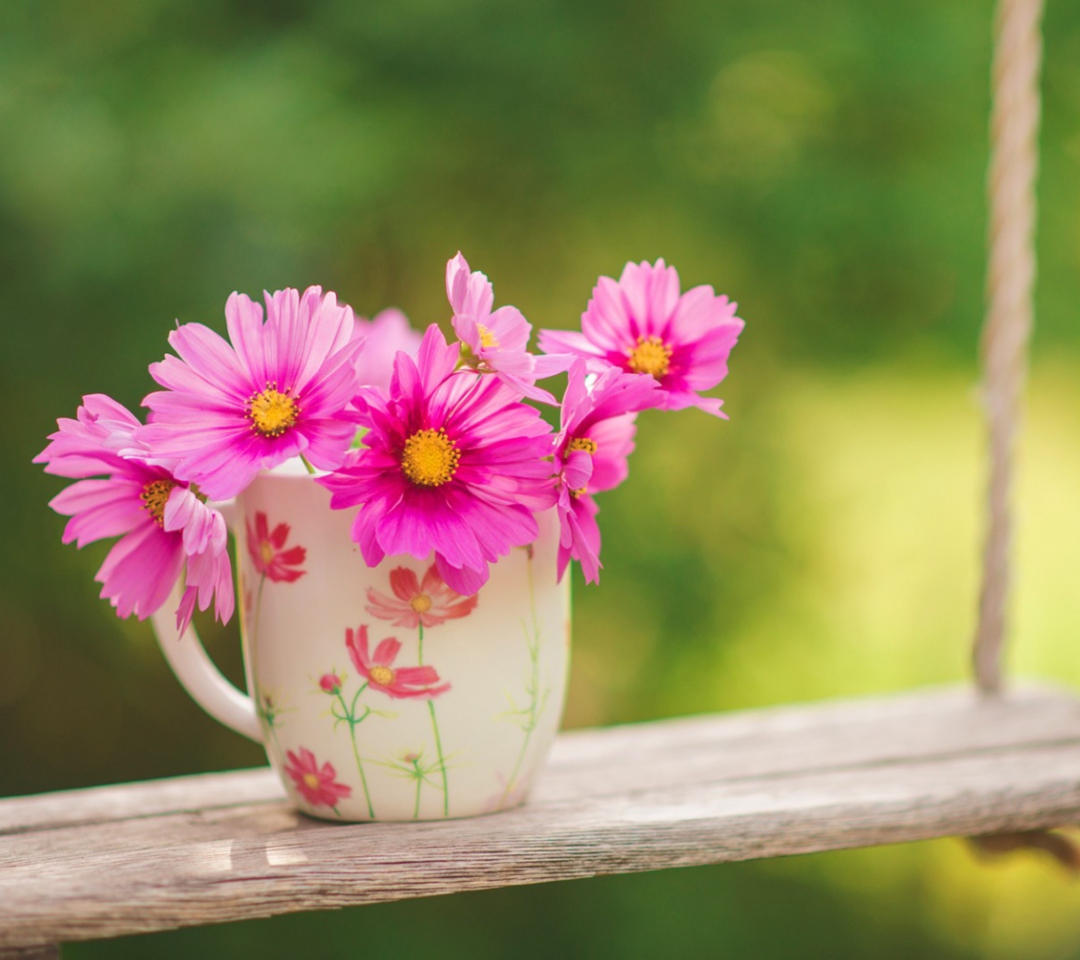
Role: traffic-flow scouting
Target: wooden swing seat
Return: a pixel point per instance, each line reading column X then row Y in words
column 137, row 858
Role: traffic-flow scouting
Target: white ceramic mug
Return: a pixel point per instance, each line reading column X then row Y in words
column 378, row 693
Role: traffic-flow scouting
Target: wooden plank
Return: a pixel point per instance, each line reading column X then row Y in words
column 51, row 952
column 759, row 742
column 641, row 797
column 176, row 794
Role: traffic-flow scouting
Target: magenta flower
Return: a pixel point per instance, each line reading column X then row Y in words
column 166, row 530
column 383, row 336
column 591, row 453
column 378, row 668
column 641, row 324
column 497, row 342
column 453, row 464
column 417, row 604
column 266, row 548
column 279, row 389
column 317, row 785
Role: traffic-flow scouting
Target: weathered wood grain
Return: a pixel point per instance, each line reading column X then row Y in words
column 51, row 952
column 100, row 804
column 144, row 857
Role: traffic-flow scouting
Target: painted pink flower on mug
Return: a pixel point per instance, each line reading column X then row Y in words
column 417, row 603
column 317, row 784
column 331, row 683
column 266, row 548
column 381, row 674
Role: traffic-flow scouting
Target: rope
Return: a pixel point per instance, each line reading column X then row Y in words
column 1014, row 126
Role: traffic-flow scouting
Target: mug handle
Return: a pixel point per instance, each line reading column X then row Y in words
column 196, row 671
column 200, row 677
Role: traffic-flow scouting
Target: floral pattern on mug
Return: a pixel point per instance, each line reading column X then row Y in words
column 331, row 683
column 527, row 713
column 266, row 548
column 316, row 784
column 417, row 603
column 380, row 673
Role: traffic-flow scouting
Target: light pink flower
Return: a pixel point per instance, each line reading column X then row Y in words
column 266, row 548
column 379, row 671
column 498, row 342
column 641, row 324
column 166, row 531
column 279, row 389
column 452, row 464
column 417, row 604
column 317, row 785
column 591, row 452
column 383, row 336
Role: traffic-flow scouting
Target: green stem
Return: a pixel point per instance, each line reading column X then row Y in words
column 310, row 469
column 353, row 723
column 352, row 709
column 435, row 730
column 419, row 784
column 534, row 685
column 258, row 608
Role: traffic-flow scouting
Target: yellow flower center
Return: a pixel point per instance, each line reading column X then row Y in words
column 272, row 412
column 430, row 458
column 421, row 603
column 487, row 338
column 582, row 443
column 311, row 781
column 383, row 676
column 578, row 492
column 266, row 551
column 651, row 355
column 154, row 496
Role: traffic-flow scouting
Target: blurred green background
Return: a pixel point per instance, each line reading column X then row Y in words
column 822, row 163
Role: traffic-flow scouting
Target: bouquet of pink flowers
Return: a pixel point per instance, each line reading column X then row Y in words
column 436, row 443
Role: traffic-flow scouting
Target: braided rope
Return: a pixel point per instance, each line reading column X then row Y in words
column 1010, row 284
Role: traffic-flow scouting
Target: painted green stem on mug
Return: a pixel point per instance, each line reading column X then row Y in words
column 532, row 687
column 435, row 730
column 353, row 722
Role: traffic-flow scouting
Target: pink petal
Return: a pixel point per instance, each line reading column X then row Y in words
column 404, row 583
column 100, row 509
column 416, row 676
column 140, row 571
column 463, row 580
column 244, row 321
column 386, row 652
column 578, row 469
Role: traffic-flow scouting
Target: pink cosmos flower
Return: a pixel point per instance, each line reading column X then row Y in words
column 317, row 785
column 166, row 530
column 383, row 336
column 591, row 454
column 279, row 389
column 379, row 671
column 643, row 325
column 417, row 604
column 497, row 342
column 453, row 464
column 266, row 548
